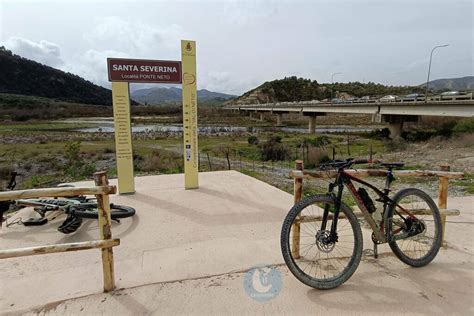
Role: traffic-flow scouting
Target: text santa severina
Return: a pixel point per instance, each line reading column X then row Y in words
column 144, row 68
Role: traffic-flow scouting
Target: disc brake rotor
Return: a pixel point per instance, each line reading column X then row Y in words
column 322, row 241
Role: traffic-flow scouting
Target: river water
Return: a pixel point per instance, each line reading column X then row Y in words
column 108, row 127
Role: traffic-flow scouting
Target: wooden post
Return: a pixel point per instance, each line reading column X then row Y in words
column 298, row 189
column 443, row 202
column 105, row 230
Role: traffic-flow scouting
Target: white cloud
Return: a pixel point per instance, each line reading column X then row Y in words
column 225, row 82
column 43, row 51
column 92, row 65
column 120, row 38
column 136, row 38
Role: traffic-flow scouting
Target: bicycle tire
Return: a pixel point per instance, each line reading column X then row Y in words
column 116, row 211
column 398, row 246
column 293, row 266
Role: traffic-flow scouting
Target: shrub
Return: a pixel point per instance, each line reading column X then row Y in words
column 75, row 166
column 464, row 126
column 319, row 141
column 315, row 157
column 163, row 162
column 383, row 133
column 273, row 149
column 253, row 140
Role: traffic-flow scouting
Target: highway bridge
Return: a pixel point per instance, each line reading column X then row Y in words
column 394, row 113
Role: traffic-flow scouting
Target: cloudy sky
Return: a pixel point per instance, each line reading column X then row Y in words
column 241, row 44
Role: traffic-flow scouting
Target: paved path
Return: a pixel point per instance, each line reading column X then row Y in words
column 187, row 252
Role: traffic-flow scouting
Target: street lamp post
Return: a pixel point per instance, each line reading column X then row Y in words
column 332, row 79
column 429, row 68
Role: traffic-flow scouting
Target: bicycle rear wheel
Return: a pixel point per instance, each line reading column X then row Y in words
column 116, row 211
column 321, row 264
column 420, row 249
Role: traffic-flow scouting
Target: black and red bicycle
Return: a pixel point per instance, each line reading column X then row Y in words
column 321, row 238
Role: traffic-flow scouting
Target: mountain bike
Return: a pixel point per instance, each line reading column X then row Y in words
column 330, row 236
column 76, row 208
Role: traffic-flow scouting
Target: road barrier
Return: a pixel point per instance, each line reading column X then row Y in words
column 101, row 190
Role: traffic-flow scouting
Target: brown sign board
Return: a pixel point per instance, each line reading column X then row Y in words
column 144, row 70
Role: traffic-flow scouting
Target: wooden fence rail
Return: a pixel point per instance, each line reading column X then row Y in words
column 444, row 175
column 101, row 190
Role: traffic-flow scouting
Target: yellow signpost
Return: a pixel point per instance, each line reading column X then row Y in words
column 121, row 72
column 190, row 130
column 123, row 137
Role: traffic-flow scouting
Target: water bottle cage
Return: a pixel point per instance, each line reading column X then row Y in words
column 369, row 204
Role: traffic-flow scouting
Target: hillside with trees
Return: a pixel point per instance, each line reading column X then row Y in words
column 21, row 76
column 291, row 89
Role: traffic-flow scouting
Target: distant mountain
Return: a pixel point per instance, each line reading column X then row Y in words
column 22, row 76
column 166, row 95
column 453, row 84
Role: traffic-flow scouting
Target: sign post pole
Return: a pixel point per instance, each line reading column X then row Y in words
column 123, row 137
column 190, row 130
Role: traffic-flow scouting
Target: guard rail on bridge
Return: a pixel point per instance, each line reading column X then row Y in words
column 395, row 112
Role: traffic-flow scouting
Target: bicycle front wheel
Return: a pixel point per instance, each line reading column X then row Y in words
column 421, row 248
column 306, row 248
column 116, row 211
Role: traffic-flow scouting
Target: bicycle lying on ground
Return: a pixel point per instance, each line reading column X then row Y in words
column 76, row 208
column 330, row 236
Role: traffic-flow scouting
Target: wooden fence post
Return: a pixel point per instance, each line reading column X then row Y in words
column 298, row 189
column 443, row 202
column 105, row 230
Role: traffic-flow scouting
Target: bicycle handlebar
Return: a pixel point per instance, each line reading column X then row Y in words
column 342, row 164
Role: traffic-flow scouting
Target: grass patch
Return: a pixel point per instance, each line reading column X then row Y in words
column 467, row 183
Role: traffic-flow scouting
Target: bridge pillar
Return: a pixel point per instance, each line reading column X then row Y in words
column 395, row 123
column 279, row 119
column 312, row 124
column 312, row 121
column 262, row 117
column 396, row 129
column 250, row 114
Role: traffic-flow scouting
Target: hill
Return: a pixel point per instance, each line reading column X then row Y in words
column 287, row 89
column 21, row 76
column 160, row 95
column 456, row 84
column 300, row 89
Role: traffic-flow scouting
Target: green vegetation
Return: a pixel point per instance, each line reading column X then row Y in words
column 300, row 89
column 467, row 183
column 464, row 126
column 253, row 140
column 359, row 89
column 75, row 167
column 23, row 76
column 273, row 149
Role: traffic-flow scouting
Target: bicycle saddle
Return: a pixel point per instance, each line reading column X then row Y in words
column 392, row 164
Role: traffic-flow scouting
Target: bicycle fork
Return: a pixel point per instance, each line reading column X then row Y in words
column 332, row 238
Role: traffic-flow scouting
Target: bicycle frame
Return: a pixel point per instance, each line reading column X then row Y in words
column 345, row 179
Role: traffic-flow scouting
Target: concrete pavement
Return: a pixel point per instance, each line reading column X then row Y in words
column 186, row 252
